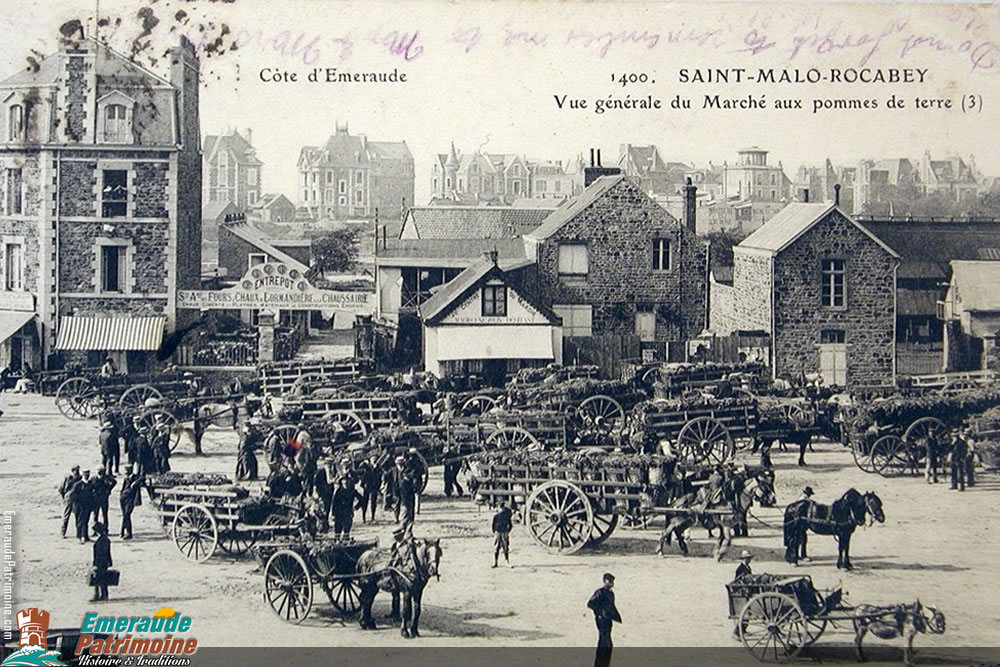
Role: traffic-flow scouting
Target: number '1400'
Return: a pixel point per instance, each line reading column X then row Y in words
column 625, row 79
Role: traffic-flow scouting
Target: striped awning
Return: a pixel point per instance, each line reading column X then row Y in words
column 110, row 333
column 11, row 322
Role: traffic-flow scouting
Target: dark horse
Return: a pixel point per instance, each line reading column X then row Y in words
column 729, row 515
column 839, row 519
column 407, row 579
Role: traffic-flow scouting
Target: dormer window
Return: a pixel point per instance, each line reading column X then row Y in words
column 15, row 122
column 115, row 118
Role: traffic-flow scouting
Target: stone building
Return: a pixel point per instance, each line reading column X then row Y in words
column 823, row 287
column 645, row 167
column 501, row 178
column 274, row 208
column 101, row 215
column 971, row 314
column 231, row 169
column 613, row 261
column 352, row 177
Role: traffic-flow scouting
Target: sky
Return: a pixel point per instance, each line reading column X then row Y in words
column 489, row 75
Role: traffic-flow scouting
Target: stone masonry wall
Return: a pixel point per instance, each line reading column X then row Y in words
column 619, row 229
column 868, row 318
column 150, row 189
column 91, row 306
column 722, row 319
column 76, row 253
column 76, row 189
column 751, row 291
column 76, row 85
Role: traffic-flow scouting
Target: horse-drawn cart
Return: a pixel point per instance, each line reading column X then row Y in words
column 85, row 397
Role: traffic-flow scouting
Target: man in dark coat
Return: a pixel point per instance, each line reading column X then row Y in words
column 407, row 503
column 393, row 479
column 957, row 459
column 602, row 603
column 82, row 506
column 371, row 480
column 101, row 493
column 246, row 459
column 323, row 484
column 743, row 569
column 452, row 465
column 129, row 436
column 144, row 451
column 345, row 500
column 305, row 458
column 502, row 525
column 129, row 499
column 102, row 562
column 110, row 450
column 66, row 491
column 160, row 443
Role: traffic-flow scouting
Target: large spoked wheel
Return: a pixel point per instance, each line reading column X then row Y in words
column 288, row 586
column 814, row 628
column 772, row 627
column 77, row 398
column 604, row 525
column 559, row 516
column 651, row 377
column 705, row 439
column 162, row 416
column 890, row 456
column 345, row 595
column 862, row 454
column 195, row 533
column 478, row 405
column 922, row 430
column 512, row 437
column 345, row 426
column 601, row 412
column 136, row 397
column 635, row 519
column 425, row 472
column 798, row 415
column 237, row 543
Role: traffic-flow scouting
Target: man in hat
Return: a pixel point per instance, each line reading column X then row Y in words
column 108, row 438
column 407, row 503
column 82, row 506
column 246, row 459
column 371, row 480
column 305, row 458
column 957, row 458
column 392, row 483
column 345, row 500
column 160, row 443
column 602, row 603
column 101, row 493
column 502, row 525
column 130, row 497
column 403, row 552
column 130, row 435
column 743, row 569
column 67, row 491
column 145, row 458
column 452, row 466
column 807, row 494
column 102, row 562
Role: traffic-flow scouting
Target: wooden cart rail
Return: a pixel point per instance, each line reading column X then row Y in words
column 375, row 410
column 740, row 420
column 277, row 379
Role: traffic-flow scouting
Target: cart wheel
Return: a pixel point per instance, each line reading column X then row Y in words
column 512, row 437
column 604, row 525
column 958, row 386
column 149, row 418
column 651, row 376
column 772, row 627
column 195, row 533
column 136, row 397
column 478, row 405
column 705, row 439
column 925, row 427
column 345, row 595
column 635, row 520
column 237, row 543
column 798, row 415
column 559, row 516
column 69, row 393
column 344, row 426
column 862, row 454
column 601, row 412
column 288, row 586
column 813, row 628
column 890, row 456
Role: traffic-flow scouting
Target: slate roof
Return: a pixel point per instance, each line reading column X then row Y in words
column 915, row 302
column 581, row 202
column 111, row 68
column 234, row 143
column 249, row 233
column 792, row 222
column 270, row 199
column 927, row 248
column 454, row 291
column 473, row 222
column 211, row 210
column 977, row 283
column 450, row 252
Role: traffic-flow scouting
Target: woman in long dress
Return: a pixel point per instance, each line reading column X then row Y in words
column 246, row 459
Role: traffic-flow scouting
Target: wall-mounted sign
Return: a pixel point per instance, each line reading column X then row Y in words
column 20, row 301
column 277, row 286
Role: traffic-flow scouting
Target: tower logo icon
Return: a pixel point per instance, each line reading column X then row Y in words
column 33, row 647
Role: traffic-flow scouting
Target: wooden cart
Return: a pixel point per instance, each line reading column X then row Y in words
column 85, row 397
column 277, row 378
column 292, row 569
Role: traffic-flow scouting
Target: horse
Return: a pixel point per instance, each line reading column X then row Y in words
column 839, row 519
column 759, row 488
column 407, row 580
column 894, row 621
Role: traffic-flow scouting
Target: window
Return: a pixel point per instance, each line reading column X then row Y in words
column 13, row 269
column 252, row 196
column 342, row 186
column 435, row 184
column 342, row 201
column 447, row 183
column 517, row 187
column 573, row 260
column 494, row 301
column 13, row 199
column 329, row 178
column 558, row 186
column 251, row 177
column 359, row 177
column 116, row 124
column 359, row 196
column 329, row 196
column 661, row 255
column 15, row 127
column 774, row 180
column 255, row 258
column 832, row 292
column 114, row 194
column 832, row 336
column 112, row 268
column 315, row 177
column 515, row 170
column 305, row 195
column 540, row 186
column 577, row 320
column 460, row 186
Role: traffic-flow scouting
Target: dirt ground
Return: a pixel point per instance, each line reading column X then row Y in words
column 938, row 545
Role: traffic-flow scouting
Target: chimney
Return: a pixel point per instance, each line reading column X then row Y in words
column 836, row 194
column 595, row 170
column 248, row 135
column 690, row 206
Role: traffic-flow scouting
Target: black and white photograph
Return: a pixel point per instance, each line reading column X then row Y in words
column 420, row 331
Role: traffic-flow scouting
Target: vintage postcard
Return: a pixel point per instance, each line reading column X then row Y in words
column 615, row 331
